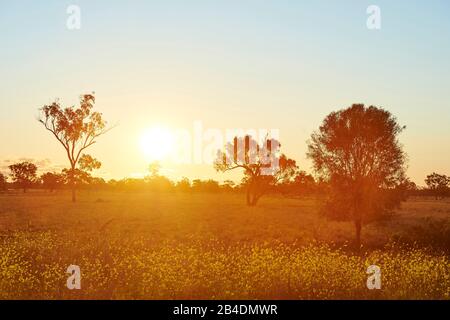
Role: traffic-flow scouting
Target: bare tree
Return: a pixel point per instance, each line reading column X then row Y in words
column 357, row 151
column 263, row 165
column 76, row 129
column 23, row 174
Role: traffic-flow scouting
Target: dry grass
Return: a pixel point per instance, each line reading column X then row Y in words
column 212, row 246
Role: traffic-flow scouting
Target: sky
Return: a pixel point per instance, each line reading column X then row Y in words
column 244, row 64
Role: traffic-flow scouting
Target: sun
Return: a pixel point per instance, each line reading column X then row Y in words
column 157, row 143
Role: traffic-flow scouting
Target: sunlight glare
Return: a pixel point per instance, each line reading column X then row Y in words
column 157, row 143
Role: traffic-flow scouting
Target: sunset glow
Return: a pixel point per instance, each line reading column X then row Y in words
column 157, row 143
column 238, row 151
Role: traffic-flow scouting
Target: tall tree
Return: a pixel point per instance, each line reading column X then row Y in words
column 439, row 184
column 357, row 151
column 23, row 174
column 263, row 165
column 76, row 129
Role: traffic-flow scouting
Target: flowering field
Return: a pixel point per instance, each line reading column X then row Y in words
column 168, row 254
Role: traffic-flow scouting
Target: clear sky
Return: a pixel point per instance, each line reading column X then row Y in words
column 229, row 64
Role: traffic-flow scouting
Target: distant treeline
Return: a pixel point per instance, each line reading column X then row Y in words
column 358, row 162
column 302, row 184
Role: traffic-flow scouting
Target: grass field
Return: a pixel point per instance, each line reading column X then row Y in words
column 170, row 246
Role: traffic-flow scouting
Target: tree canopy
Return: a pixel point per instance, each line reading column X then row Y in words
column 263, row 164
column 439, row 184
column 23, row 174
column 358, row 152
column 76, row 129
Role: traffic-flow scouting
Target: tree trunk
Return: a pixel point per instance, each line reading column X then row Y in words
column 249, row 201
column 357, row 217
column 358, row 226
column 72, row 182
column 255, row 199
column 253, row 195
